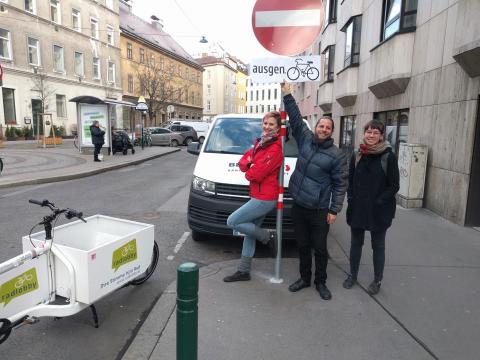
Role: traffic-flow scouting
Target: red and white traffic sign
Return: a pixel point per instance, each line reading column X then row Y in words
column 287, row 27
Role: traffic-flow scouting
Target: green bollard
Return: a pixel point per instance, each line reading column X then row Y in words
column 187, row 311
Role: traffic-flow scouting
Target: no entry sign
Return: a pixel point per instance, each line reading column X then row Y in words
column 287, row 27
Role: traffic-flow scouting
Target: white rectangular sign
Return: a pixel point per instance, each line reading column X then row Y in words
column 289, row 69
column 88, row 114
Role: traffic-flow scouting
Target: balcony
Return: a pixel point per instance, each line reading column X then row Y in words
column 346, row 86
column 391, row 65
column 325, row 96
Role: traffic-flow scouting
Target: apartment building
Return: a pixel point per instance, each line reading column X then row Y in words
column 52, row 51
column 262, row 98
column 414, row 65
column 155, row 66
column 219, row 85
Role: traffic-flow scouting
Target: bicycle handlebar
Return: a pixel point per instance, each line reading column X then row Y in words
column 69, row 213
column 38, row 202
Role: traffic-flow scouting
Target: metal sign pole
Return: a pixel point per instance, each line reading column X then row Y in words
column 277, row 279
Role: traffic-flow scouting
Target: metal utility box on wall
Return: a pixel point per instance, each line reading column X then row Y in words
column 412, row 162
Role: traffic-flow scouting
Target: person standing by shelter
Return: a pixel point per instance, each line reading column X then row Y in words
column 98, row 139
column 318, row 187
column 261, row 165
column 373, row 182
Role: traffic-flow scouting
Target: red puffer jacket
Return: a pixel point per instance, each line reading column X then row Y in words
column 261, row 166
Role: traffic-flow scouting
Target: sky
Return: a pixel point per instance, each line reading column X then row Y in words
column 226, row 22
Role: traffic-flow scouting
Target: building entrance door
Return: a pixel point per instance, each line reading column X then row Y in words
column 37, row 109
column 472, row 217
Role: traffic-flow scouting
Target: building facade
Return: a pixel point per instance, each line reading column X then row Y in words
column 155, row 66
column 414, row 65
column 262, row 98
column 61, row 50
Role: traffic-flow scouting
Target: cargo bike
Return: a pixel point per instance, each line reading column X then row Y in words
column 66, row 269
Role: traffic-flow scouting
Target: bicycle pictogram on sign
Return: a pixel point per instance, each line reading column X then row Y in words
column 303, row 68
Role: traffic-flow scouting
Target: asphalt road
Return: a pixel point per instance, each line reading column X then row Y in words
column 154, row 192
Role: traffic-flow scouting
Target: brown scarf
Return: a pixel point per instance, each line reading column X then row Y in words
column 365, row 149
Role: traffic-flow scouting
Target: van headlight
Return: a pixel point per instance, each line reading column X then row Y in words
column 203, row 185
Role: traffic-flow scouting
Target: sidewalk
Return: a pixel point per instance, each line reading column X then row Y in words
column 25, row 163
column 428, row 306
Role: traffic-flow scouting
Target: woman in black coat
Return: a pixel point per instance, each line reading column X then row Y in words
column 373, row 183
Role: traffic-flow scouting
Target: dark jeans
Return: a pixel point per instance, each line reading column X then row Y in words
column 311, row 230
column 378, row 247
column 98, row 147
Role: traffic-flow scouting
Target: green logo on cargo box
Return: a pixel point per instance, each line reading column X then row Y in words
column 125, row 254
column 21, row 285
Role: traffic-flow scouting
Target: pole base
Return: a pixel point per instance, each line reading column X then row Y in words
column 275, row 280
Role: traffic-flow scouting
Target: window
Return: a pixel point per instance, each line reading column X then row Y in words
column 96, row 68
column 30, row 6
column 209, row 89
column 328, row 63
column 398, row 16
column 208, row 105
column 76, row 20
column 111, row 72
column 396, row 126
column 5, row 45
column 251, row 109
column 58, row 59
column 269, row 93
column 152, row 60
column 94, row 27
column 78, row 64
column 142, row 56
column 161, row 63
column 352, row 30
column 9, row 106
column 33, row 51
column 347, row 132
column 274, row 94
column 61, row 106
column 55, row 11
column 130, row 83
column 263, row 95
column 330, row 11
column 256, row 95
column 256, row 109
column 110, row 38
column 109, row 4
column 251, row 95
column 129, row 51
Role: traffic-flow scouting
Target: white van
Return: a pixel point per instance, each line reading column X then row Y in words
column 219, row 187
column 200, row 127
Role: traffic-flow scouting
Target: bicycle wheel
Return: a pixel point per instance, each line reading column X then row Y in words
column 75, row 142
column 313, row 74
column 151, row 268
column 293, row 73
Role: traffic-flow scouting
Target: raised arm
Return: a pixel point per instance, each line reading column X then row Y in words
column 300, row 130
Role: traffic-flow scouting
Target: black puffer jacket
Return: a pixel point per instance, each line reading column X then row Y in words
column 371, row 192
column 320, row 177
column 97, row 135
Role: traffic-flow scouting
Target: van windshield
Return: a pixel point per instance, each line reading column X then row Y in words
column 237, row 135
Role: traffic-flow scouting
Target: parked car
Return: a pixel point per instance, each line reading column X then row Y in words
column 162, row 136
column 200, row 127
column 188, row 133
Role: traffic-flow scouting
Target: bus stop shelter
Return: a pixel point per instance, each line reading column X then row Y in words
column 91, row 108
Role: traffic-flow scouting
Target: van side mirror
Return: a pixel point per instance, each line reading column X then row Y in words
column 194, row 148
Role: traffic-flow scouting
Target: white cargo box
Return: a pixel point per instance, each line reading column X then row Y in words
column 105, row 252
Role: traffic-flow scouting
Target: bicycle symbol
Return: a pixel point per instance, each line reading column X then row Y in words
column 127, row 249
column 303, row 68
column 22, row 279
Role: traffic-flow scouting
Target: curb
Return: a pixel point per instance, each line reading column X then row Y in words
column 86, row 173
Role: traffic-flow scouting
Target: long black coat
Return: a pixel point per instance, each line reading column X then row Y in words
column 97, row 135
column 371, row 192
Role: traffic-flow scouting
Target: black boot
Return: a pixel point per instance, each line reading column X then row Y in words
column 238, row 276
column 298, row 285
column 322, row 289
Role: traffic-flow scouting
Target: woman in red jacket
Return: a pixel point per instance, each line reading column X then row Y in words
column 260, row 165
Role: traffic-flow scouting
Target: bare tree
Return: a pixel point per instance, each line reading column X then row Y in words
column 43, row 88
column 161, row 88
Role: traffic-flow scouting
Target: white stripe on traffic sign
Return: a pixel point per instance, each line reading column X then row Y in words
column 288, row 18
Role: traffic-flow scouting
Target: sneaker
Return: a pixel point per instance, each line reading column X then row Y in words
column 349, row 282
column 374, row 287
column 238, row 276
column 322, row 289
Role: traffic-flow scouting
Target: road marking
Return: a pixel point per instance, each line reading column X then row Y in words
column 179, row 244
column 25, row 190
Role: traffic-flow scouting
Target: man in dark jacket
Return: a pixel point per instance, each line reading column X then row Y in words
column 97, row 138
column 318, row 187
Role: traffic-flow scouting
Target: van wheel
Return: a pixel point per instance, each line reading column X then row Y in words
column 198, row 235
column 201, row 139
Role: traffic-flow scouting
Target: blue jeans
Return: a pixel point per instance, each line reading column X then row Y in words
column 247, row 220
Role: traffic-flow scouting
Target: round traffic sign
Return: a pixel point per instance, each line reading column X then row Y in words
column 286, row 27
column 170, row 108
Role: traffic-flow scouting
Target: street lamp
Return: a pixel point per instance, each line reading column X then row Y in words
column 142, row 107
